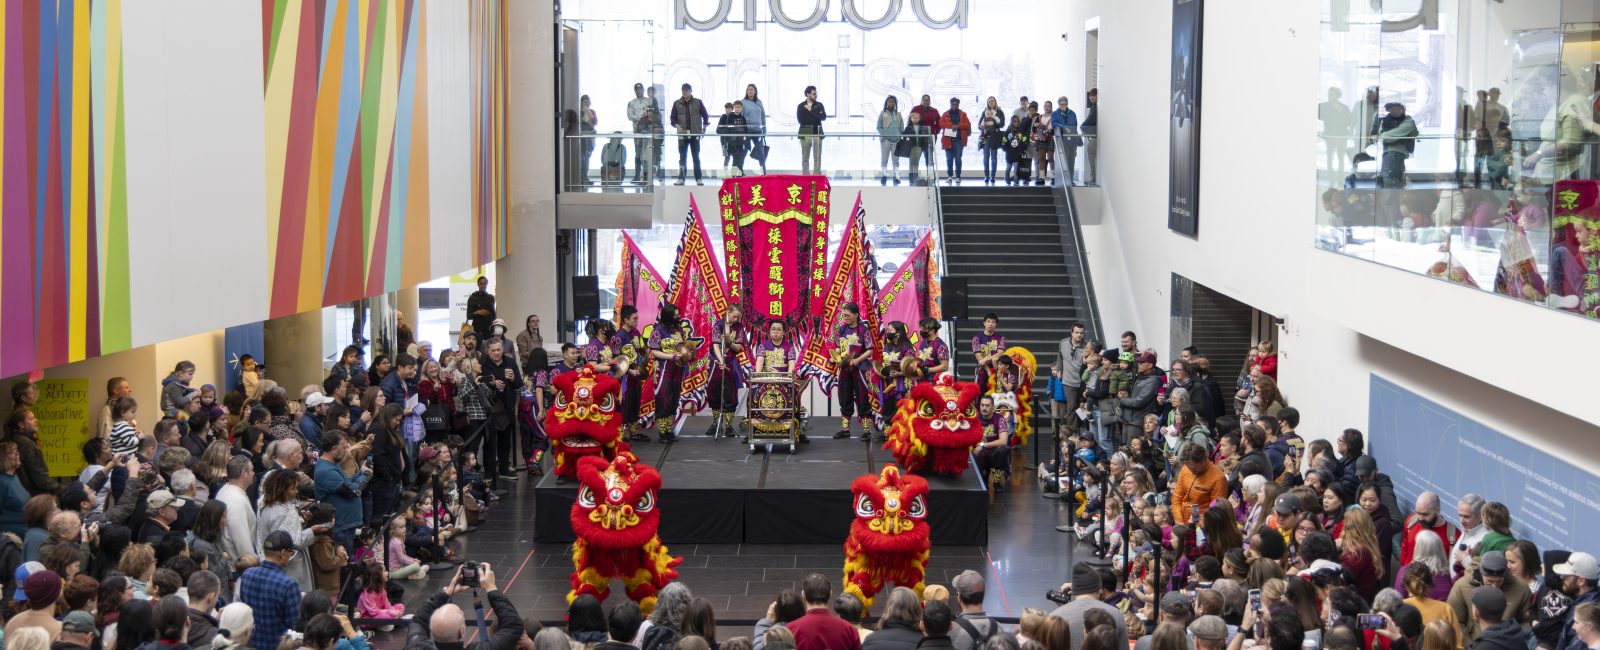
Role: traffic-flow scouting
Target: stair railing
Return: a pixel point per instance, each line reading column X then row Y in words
column 1067, row 221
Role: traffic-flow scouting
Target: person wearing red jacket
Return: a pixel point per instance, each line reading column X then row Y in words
column 930, row 120
column 956, row 127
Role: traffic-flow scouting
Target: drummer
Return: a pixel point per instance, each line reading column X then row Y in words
column 776, row 354
column 933, row 352
column 604, row 348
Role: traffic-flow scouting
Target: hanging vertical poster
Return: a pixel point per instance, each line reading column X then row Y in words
column 1183, row 165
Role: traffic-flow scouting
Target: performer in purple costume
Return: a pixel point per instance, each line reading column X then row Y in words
column 987, row 346
column 853, row 346
column 727, row 377
column 933, row 352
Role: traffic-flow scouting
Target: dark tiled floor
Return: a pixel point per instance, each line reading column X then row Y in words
column 1025, row 556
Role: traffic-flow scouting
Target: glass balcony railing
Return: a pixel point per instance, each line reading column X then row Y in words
column 1473, row 212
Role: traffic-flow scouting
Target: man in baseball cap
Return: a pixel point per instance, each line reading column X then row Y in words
column 1578, row 577
column 1497, row 629
column 972, row 624
column 162, row 509
column 1491, row 571
column 1287, row 510
column 77, row 631
column 311, row 424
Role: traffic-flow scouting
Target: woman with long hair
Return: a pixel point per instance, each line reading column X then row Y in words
column 280, row 510
column 890, row 124
column 897, row 627
column 586, row 621
column 991, row 134
column 388, row 464
column 212, row 470
column 434, row 390
column 700, row 621
column 208, row 529
column 1440, row 635
column 1522, row 560
column 115, row 590
column 1497, row 519
column 1222, row 532
column 1358, row 552
column 1267, row 400
column 134, row 628
column 1307, row 602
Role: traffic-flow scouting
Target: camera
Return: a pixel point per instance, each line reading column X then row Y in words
column 1372, row 621
column 469, row 575
column 1057, row 596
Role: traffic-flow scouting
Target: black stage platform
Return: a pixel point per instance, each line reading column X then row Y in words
column 718, row 492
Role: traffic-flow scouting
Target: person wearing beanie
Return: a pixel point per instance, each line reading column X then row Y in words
column 972, row 626
column 1495, row 630
column 1490, row 571
column 40, row 590
column 1085, row 590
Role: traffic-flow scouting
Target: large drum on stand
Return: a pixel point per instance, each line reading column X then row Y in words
column 773, row 409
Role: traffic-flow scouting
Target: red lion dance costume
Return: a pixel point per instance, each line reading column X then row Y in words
column 935, row 427
column 889, row 538
column 585, row 419
column 615, row 520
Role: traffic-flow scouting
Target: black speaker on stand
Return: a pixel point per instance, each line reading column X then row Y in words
column 953, row 302
column 953, row 307
column 585, row 299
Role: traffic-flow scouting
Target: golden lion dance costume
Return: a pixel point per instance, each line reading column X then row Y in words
column 889, row 539
column 615, row 519
column 585, row 420
column 1013, row 391
column 935, row 427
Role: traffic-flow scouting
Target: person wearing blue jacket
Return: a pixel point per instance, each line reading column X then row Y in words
column 340, row 491
column 1065, row 122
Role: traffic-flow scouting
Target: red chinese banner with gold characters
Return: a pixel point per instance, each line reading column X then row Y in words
column 775, row 241
column 848, row 280
column 1575, row 247
column 696, row 289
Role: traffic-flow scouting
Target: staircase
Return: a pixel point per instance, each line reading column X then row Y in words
column 1008, row 243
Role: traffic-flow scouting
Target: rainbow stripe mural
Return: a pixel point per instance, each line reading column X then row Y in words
column 63, row 194
column 347, row 146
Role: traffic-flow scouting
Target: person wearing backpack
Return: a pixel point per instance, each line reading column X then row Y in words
column 973, row 627
column 1396, row 133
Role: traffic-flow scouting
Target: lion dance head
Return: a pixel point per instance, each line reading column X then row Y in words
column 615, row 520
column 935, row 427
column 889, row 538
column 585, row 419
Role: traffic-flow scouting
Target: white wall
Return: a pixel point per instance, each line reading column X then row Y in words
column 1511, row 366
column 530, row 174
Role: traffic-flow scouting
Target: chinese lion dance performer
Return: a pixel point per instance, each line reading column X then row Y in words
column 889, row 539
column 615, row 520
column 1011, row 385
column 585, row 420
column 935, row 427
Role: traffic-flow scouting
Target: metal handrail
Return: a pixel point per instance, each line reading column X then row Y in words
column 1067, row 220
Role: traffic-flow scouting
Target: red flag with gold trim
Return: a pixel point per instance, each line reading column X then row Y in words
column 696, row 289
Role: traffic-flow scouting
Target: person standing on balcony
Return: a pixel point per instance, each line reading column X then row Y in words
column 956, row 126
column 1091, row 132
column 1044, row 144
column 1396, row 133
column 586, row 122
column 638, row 107
column 690, row 119
column 732, row 127
column 930, row 119
column 889, row 126
column 810, row 115
column 1064, row 122
column 991, row 135
column 913, row 142
column 755, row 121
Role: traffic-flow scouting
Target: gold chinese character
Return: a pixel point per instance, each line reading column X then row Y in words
column 732, row 247
column 726, row 198
column 772, row 255
column 817, row 274
column 775, row 308
column 1568, row 199
column 822, row 196
column 816, row 291
column 727, row 227
column 774, row 236
column 794, row 194
column 822, row 210
column 727, row 213
column 888, row 300
column 775, row 288
column 774, row 272
column 899, row 284
column 755, row 196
